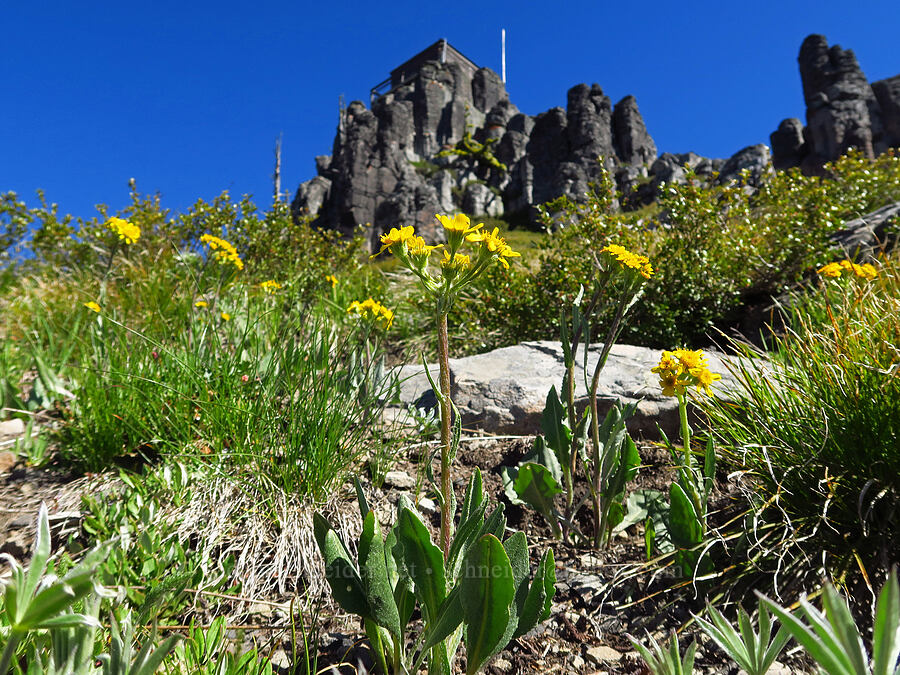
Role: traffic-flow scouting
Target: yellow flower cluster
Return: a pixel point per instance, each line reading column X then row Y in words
column 494, row 244
column 372, row 311
column 270, row 286
column 834, row 269
column 225, row 253
column 93, row 306
column 684, row 368
column 332, row 280
column 628, row 259
column 457, row 269
column 126, row 231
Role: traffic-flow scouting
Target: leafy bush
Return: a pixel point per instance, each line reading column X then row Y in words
column 715, row 249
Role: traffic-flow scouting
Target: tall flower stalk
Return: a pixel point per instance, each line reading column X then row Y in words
column 468, row 252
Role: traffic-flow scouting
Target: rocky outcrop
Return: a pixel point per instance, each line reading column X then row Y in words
column 843, row 110
column 446, row 141
column 449, row 139
column 872, row 234
column 504, row 391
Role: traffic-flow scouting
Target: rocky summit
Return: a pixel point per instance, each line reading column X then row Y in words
column 441, row 135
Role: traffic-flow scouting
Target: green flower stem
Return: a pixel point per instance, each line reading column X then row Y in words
column 614, row 330
column 685, row 432
column 444, row 383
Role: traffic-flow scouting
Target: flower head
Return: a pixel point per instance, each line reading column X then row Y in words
column 833, row 270
column 493, row 245
column 201, row 303
column 127, row 232
column 372, row 310
column 226, row 316
column 332, row 280
column 396, row 236
column 457, row 228
column 683, row 368
column 223, row 251
column 270, row 286
column 630, row 260
column 92, row 306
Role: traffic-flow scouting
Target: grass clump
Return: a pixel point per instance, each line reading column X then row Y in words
column 817, row 427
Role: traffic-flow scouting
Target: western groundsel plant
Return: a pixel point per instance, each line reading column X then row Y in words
column 472, row 585
column 689, row 495
column 611, row 459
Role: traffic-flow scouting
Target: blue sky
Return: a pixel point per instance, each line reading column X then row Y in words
column 188, row 97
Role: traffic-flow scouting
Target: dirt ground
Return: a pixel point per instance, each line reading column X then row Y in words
column 601, row 598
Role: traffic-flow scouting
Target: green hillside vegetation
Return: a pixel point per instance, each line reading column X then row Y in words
column 232, row 360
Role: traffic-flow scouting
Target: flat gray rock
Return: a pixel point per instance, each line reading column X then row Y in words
column 504, row 391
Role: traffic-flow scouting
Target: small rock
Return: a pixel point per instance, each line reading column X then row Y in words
column 603, row 653
column 7, row 461
column 21, row 522
column 427, row 505
column 400, row 480
column 280, row 659
column 577, row 662
column 502, row 665
column 13, row 427
column 26, row 489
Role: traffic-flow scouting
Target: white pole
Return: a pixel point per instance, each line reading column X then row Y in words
column 503, row 54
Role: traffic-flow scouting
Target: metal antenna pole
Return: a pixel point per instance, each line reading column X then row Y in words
column 503, row 54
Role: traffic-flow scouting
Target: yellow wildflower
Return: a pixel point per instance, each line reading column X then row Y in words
column 332, row 280
column 223, row 251
column 683, row 368
column 270, row 286
column 494, row 245
column 201, row 304
column 832, row 270
column 459, row 223
column 127, row 232
column 93, row 306
column 395, row 236
column 372, row 310
column 868, row 271
column 628, row 259
column 417, row 247
column 226, row 316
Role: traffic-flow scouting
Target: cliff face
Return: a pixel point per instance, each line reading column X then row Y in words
column 449, row 139
column 843, row 110
column 446, row 142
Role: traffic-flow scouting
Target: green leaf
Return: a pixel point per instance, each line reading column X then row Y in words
column 825, row 652
column 555, row 425
column 340, row 572
column 886, row 632
column 536, row 607
column 424, row 562
column 495, row 523
column 487, row 589
column 473, row 501
column 379, row 594
column 449, row 617
column 537, row 486
column 684, row 525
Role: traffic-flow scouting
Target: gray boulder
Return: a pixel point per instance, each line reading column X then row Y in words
column 754, row 159
column 788, row 145
column 874, row 232
column 504, row 391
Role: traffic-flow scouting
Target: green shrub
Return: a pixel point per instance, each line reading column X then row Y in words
column 715, row 250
